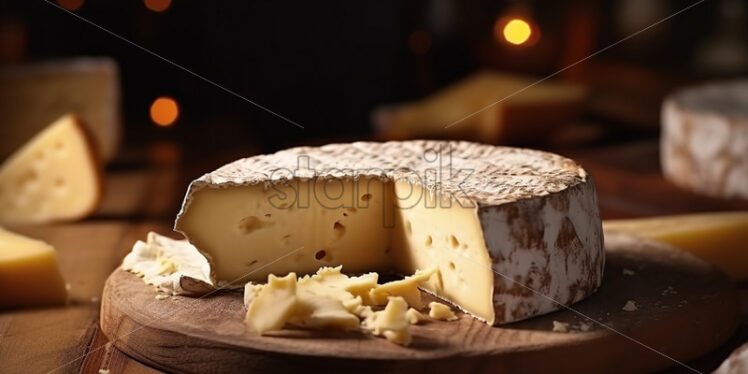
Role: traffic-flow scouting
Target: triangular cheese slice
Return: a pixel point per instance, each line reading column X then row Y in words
column 29, row 275
column 54, row 177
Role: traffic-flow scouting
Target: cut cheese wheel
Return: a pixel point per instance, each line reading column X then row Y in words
column 719, row 238
column 512, row 232
column 29, row 275
column 54, row 177
column 33, row 96
column 705, row 139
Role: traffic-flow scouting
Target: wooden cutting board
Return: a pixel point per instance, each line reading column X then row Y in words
column 685, row 309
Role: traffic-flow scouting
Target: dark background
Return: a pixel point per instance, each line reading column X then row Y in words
column 326, row 65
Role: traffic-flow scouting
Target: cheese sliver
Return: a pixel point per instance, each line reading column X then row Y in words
column 54, row 177
column 391, row 322
column 29, row 275
column 719, row 238
column 274, row 304
column 414, row 316
column 441, row 311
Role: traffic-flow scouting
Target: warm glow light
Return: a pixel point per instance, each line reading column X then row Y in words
column 157, row 5
column 164, row 111
column 71, row 4
column 517, row 31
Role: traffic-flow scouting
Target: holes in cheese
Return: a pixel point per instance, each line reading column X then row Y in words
column 453, row 241
column 339, row 229
column 53, row 177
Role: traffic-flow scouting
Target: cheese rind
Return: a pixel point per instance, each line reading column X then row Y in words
column 507, row 228
column 29, row 275
column 704, row 143
column 719, row 238
column 54, row 177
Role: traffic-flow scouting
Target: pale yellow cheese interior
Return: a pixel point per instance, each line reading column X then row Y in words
column 719, row 238
column 29, row 275
column 53, row 177
column 365, row 225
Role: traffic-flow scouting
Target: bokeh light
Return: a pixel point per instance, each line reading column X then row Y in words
column 164, row 111
column 157, row 5
column 517, row 31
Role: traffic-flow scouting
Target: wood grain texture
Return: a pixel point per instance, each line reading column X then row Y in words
column 208, row 335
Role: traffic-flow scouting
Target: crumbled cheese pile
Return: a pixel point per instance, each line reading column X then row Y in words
column 331, row 299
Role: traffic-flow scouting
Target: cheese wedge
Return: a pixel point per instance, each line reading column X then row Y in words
column 491, row 107
column 54, row 177
column 29, row 275
column 719, row 238
column 493, row 221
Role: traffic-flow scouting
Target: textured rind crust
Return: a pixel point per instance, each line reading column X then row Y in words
column 547, row 251
column 704, row 144
column 538, row 210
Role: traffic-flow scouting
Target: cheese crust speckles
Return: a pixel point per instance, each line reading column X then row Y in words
column 704, row 143
column 172, row 266
column 483, row 215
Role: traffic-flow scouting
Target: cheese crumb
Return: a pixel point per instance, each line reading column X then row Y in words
column 560, row 326
column 161, row 296
column 414, row 316
column 628, row 272
column 103, row 371
column 630, row 306
column 441, row 311
column 585, row 326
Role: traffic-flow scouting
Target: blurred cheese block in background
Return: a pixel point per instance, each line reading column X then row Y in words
column 29, row 275
column 705, row 139
column 32, row 97
column 526, row 111
column 54, row 177
column 719, row 238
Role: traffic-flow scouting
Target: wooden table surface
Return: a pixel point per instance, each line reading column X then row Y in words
column 68, row 339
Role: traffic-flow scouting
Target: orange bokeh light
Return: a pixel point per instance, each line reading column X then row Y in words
column 71, row 4
column 164, row 111
column 157, row 5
